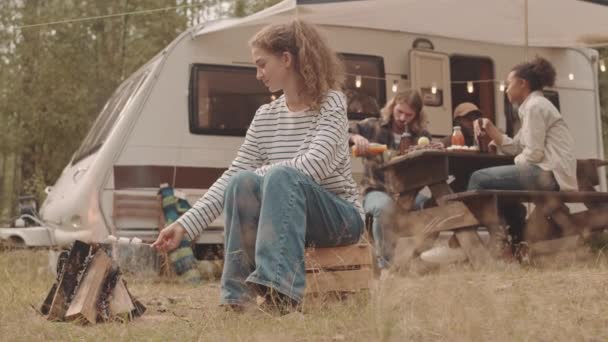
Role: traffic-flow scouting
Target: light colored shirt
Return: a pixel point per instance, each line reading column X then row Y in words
column 312, row 142
column 544, row 140
column 397, row 139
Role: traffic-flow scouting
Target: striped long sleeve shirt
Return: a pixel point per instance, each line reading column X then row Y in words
column 313, row 142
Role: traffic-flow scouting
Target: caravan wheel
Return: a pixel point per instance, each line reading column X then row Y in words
column 13, row 242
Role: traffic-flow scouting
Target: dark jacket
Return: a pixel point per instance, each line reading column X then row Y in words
column 378, row 131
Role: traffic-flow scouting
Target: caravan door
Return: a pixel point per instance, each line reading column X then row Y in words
column 430, row 74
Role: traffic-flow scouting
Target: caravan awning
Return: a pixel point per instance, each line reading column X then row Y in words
column 550, row 23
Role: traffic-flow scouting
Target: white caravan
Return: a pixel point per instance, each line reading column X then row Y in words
column 181, row 117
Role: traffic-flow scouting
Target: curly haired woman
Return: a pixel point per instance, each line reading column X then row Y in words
column 290, row 184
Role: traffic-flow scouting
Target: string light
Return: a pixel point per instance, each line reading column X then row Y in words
column 470, row 87
column 273, row 97
column 469, row 84
column 358, row 81
column 602, row 65
column 571, row 76
column 74, row 20
column 434, row 88
column 502, row 86
column 395, row 83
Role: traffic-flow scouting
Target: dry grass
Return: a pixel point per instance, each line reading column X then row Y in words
column 562, row 298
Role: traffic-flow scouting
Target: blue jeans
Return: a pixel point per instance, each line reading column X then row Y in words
column 269, row 221
column 513, row 177
column 380, row 205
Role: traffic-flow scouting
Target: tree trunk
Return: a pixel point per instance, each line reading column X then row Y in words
column 2, row 190
column 123, row 47
column 8, row 187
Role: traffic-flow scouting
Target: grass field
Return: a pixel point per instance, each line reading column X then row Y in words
column 563, row 298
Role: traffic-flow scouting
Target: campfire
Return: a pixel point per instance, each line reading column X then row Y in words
column 89, row 289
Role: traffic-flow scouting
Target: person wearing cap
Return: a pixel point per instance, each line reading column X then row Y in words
column 464, row 116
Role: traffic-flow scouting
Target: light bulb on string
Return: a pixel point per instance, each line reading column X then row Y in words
column 470, row 87
column 602, row 65
column 358, row 81
column 395, row 86
column 502, row 86
column 434, row 88
column 273, row 97
column 571, row 77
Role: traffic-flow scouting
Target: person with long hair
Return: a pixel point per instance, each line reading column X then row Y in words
column 290, row 184
column 403, row 113
column 544, row 147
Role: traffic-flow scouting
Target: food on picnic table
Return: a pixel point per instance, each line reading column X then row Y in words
column 431, row 146
column 372, row 150
column 463, row 148
column 423, row 141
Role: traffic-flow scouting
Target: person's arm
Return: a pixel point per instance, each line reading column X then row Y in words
column 502, row 141
column 355, row 128
column 328, row 148
column 364, row 133
column 210, row 206
column 361, row 144
column 534, row 136
column 365, row 128
column 488, row 127
column 358, row 139
column 508, row 145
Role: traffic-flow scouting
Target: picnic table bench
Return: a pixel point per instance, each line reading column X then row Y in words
column 464, row 212
column 550, row 226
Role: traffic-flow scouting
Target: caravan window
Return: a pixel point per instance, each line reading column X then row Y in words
column 109, row 115
column 552, row 96
column 224, row 99
column 364, row 85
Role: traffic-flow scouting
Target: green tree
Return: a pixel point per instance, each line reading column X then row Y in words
column 603, row 81
column 59, row 77
column 56, row 78
column 242, row 8
column 9, row 133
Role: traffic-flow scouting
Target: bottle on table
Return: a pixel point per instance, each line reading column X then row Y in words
column 483, row 139
column 405, row 142
column 457, row 137
column 372, row 150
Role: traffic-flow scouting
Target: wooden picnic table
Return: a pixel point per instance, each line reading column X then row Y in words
column 407, row 175
column 418, row 169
